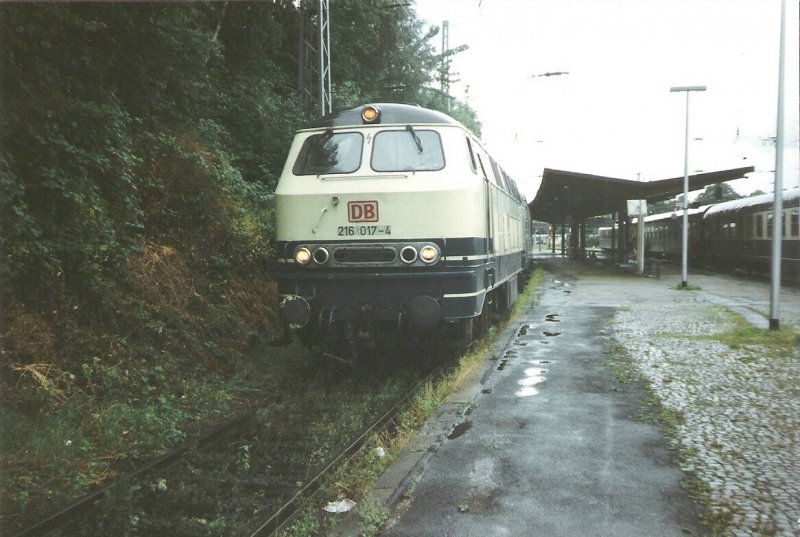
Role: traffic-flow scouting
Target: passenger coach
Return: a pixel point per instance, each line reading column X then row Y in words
column 733, row 234
column 393, row 219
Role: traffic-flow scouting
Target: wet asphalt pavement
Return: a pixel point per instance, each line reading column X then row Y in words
column 548, row 447
column 545, row 442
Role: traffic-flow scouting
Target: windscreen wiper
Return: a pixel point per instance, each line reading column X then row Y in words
column 417, row 141
column 323, row 139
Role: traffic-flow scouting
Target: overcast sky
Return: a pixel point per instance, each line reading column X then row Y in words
column 613, row 114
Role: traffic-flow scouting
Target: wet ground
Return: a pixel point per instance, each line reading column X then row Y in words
column 547, row 442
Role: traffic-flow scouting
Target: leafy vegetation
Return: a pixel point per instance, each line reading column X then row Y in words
column 140, row 145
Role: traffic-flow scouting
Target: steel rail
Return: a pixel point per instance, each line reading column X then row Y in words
column 283, row 516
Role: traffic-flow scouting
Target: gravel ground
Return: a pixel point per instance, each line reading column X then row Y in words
column 740, row 408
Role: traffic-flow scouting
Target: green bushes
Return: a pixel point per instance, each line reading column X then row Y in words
column 140, row 144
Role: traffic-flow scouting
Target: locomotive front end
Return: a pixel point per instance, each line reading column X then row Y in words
column 381, row 227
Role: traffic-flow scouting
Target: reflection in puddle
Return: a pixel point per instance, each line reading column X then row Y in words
column 533, row 376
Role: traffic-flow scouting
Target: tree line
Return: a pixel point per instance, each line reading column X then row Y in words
column 140, row 144
column 135, row 128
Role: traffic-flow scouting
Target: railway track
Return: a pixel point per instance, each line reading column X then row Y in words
column 251, row 475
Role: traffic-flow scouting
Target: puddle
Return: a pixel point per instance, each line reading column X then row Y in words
column 533, row 376
column 486, row 391
column 460, row 429
column 507, row 357
column 552, row 317
column 551, row 334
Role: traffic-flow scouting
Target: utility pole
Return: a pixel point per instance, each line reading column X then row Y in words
column 326, row 106
column 777, row 209
column 301, row 52
column 444, row 73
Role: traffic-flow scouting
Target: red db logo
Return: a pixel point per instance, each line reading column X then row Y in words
column 362, row 211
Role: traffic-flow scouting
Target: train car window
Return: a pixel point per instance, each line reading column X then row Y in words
column 759, row 226
column 769, row 226
column 472, row 163
column 512, row 187
column 407, row 150
column 329, row 153
column 795, row 222
column 497, row 175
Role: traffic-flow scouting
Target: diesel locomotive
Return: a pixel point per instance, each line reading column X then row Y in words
column 393, row 221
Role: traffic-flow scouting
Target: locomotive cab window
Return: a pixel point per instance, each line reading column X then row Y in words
column 407, row 150
column 472, row 163
column 329, row 153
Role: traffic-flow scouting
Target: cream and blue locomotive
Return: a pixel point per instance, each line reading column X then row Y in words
column 393, row 221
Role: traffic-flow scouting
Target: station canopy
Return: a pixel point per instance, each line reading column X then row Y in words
column 564, row 195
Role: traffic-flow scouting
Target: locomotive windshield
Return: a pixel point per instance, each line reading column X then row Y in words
column 329, row 153
column 407, row 150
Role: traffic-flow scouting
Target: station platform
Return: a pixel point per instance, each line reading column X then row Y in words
column 544, row 440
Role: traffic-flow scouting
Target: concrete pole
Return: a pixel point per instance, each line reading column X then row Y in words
column 777, row 211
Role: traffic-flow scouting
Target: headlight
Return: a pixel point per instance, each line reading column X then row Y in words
column 371, row 114
column 429, row 254
column 302, row 256
column 321, row 255
column 408, row 254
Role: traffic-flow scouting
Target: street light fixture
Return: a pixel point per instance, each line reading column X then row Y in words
column 685, row 234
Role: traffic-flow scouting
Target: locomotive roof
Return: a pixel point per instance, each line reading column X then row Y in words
column 391, row 113
column 790, row 199
column 678, row 213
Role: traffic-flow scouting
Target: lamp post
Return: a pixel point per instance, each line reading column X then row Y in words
column 685, row 234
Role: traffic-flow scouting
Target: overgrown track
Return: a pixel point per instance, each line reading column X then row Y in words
column 250, row 475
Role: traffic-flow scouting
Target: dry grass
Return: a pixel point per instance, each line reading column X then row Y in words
column 162, row 276
column 27, row 336
column 45, row 376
